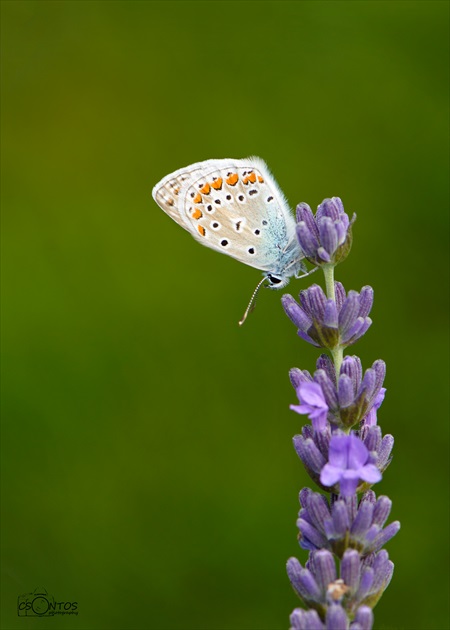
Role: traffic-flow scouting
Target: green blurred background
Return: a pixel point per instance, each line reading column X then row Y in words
column 148, row 469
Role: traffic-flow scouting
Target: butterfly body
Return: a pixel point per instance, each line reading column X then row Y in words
column 237, row 208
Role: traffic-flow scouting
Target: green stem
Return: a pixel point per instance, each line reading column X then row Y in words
column 338, row 356
column 328, row 272
column 338, row 352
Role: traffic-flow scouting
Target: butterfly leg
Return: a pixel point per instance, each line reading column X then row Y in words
column 304, row 275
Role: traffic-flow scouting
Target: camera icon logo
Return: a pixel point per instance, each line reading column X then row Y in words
column 35, row 604
column 40, row 604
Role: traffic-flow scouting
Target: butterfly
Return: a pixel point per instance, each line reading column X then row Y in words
column 236, row 207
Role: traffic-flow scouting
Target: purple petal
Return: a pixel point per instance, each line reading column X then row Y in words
column 312, row 534
column 367, row 577
column 372, row 438
column 369, row 497
column 304, row 496
column 370, row 419
column 379, row 398
column 385, row 449
column 330, row 475
column 357, row 452
column 322, row 440
column 306, row 620
column 359, row 328
column 370, row 473
column 380, row 371
column 327, row 388
column 387, row 533
column 365, row 301
column 371, row 534
column 341, row 231
column 309, row 585
column 307, row 338
column 317, row 300
column 381, row 511
column 325, row 569
column 364, row 617
column 303, row 410
column 338, row 455
column 308, row 242
column 299, row 376
column 340, row 294
column 330, row 316
column 304, row 213
column 318, row 509
column 319, row 420
column 351, row 365
column 349, row 312
column 350, row 568
column 295, row 313
column 336, row 618
column 352, row 338
column 340, row 517
column 383, row 572
column 312, row 394
column 363, row 519
column 309, row 453
column 325, row 363
column 323, row 254
column 328, row 208
column 328, row 235
column 348, row 483
column 346, row 393
column 302, row 580
column 368, row 384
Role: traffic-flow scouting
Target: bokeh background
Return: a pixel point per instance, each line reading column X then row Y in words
column 148, row 470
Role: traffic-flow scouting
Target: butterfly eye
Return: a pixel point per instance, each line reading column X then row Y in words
column 273, row 279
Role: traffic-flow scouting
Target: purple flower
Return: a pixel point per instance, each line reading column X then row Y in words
column 325, row 323
column 342, row 522
column 361, row 582
column 313, row 449
column 312, row 403
column 336, row 618
column 325, row 238
column 350, row 401
column 348, row 464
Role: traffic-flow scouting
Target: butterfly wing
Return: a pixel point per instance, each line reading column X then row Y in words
column 232, row 206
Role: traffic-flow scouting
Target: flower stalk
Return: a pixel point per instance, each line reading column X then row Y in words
column 343, row 449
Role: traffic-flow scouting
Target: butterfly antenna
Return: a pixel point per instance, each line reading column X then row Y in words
column 252, row 303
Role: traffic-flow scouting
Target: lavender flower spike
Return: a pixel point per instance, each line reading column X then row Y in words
column 326, row 323
column 348, row 464
column 342, row 448
column 326, row 238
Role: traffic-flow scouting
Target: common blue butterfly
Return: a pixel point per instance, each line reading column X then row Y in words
column 237, row 208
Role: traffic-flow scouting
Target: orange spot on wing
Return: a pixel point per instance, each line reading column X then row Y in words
column 245, row 180
column 252, row 178
column 198, row 198
column 197, row 214
column 206, row 189
column 232, row 180
column 202, row 230
column 217, row 185
column 260, row 179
